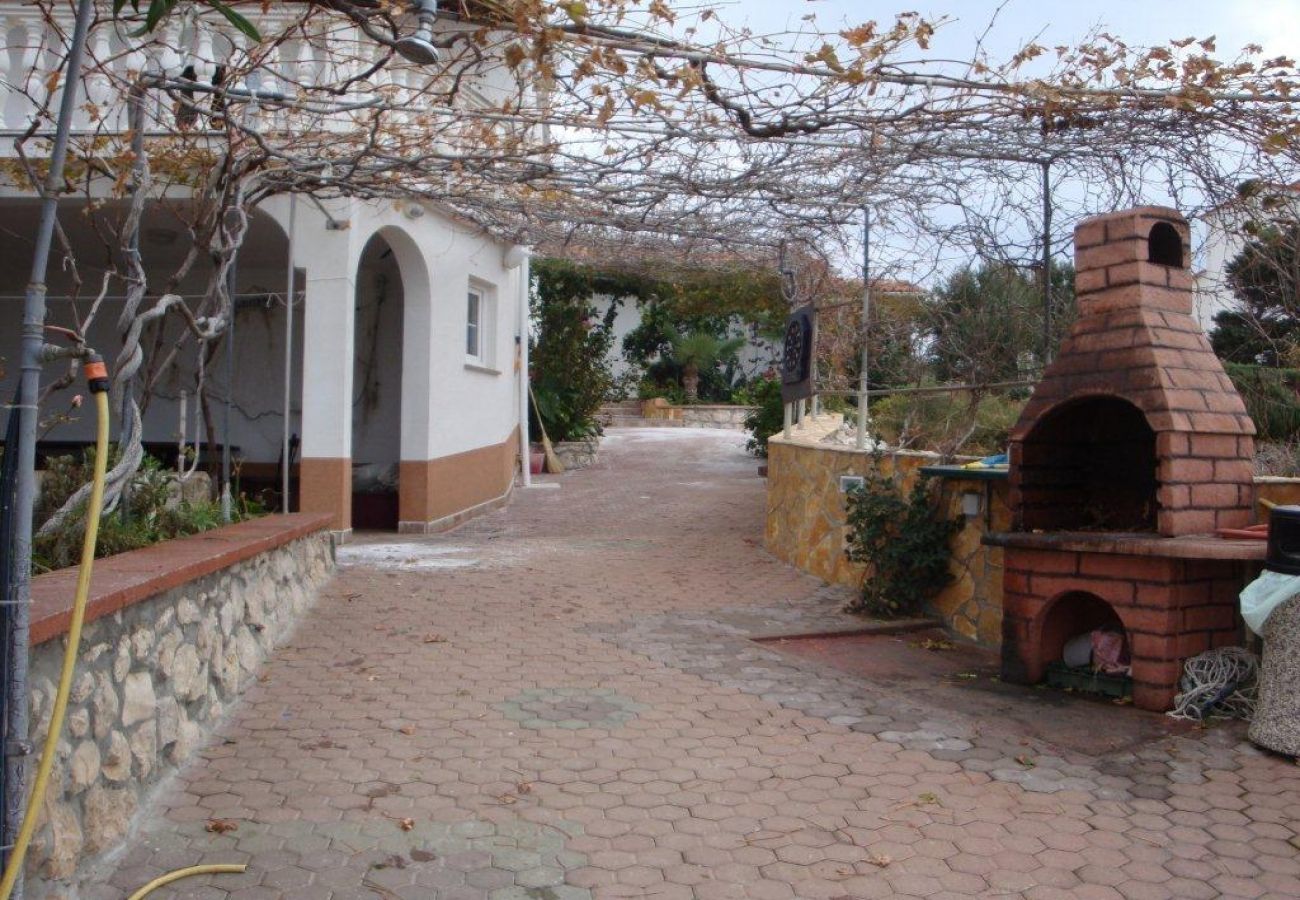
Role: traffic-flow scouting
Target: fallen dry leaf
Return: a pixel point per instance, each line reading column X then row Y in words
column 220, row 826
column 879, row 861
column 407, row 729
column 1026, row 761
column 406, row 824
column 507, row 799
column 524, row 787
column 432, row 638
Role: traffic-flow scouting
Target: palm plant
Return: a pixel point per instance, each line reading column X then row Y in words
column 697, row 352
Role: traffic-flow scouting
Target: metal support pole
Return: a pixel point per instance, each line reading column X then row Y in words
column 1047, row 262
column 18, row 591
column 288, row 362
column 787, row 412
column 227, row 489
column 864, row 379
column 525, row 448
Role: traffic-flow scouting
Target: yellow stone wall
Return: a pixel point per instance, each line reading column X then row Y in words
column 806, row 522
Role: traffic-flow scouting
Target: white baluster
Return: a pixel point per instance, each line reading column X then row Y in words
column 22, row 50
column 98, row 86
column 169, row 61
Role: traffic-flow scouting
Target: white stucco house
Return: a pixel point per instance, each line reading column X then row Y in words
column 1224, row 239
column 402, row 368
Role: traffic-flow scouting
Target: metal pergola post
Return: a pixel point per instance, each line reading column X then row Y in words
column 1047, row 262
column 285, row 482
column 864, row 379
column 17, row 594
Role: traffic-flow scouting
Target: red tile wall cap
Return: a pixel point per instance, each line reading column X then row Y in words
column 128, row 578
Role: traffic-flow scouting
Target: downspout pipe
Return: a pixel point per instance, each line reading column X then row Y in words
column 18, row 592
column 519, row 258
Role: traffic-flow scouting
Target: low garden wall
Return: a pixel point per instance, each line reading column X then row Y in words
column 698, row 415
column 174, row 634
column 806, row 519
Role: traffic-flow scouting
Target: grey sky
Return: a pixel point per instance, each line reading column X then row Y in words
column 1275, row 24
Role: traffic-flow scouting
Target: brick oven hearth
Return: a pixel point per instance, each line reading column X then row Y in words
column 1134, row 448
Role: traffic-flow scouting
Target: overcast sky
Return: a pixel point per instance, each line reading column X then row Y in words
column 1274, row 24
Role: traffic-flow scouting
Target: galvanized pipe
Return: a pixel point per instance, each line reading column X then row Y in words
column 18, row 591
column 288, row 361
column 864, row 379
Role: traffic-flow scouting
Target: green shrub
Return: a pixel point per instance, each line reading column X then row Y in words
column 904, row 542
column 146, row 516
column 944, row 423
column 1270, row 397
column 768, row 418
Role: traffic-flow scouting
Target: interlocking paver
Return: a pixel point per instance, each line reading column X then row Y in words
column 598, row 723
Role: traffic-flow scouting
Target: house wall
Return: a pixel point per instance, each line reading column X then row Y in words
column 257, row 415
column 447, row 407
column 455, row 412
column 756, row 356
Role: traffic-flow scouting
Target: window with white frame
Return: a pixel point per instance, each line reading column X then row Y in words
column 480, row 322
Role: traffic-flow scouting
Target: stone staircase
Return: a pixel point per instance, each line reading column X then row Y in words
column 627, row 414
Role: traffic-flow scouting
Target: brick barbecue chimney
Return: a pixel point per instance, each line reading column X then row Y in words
column 1132, row 451
column 1135, row 426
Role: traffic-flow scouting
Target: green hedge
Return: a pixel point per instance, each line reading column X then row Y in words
column 1271, row 400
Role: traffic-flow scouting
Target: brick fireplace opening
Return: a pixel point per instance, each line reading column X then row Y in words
column 1133, row 449
column 1089, row 465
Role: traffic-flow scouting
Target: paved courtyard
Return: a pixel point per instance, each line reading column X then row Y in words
column 562, row 701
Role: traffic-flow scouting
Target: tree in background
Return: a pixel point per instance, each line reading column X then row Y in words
column 700, row 352
column 986, row 322
column 570, row 374
column 1264, row 329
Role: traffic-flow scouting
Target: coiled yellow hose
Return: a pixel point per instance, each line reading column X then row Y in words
column 93, row 511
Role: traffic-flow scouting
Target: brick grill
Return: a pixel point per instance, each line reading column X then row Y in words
column 1134, row 434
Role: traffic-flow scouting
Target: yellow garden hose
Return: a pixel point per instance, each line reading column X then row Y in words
column 97, row 377
column 19, row 852
column 186, row 873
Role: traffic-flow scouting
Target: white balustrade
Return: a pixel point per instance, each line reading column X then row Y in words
column 198, row 44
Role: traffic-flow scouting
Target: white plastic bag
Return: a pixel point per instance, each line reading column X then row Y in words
column 1265, row 594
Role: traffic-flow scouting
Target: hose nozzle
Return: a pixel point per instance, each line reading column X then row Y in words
column 96, row 373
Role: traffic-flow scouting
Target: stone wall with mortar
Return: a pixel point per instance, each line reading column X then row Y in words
column 152, row 681
column 806, row 522
column 716, row 416
column 578, row 454
column 699, row 415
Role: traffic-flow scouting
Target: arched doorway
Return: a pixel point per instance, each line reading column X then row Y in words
column 377, row 387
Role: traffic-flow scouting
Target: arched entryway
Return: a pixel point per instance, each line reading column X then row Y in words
column 377, row 388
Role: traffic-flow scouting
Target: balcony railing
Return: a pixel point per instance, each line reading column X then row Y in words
column 300, row 51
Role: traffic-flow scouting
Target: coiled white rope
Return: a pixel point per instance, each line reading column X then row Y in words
column 1218, row 684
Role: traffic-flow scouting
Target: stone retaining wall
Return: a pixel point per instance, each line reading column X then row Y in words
column 578, row 454
column 806, row 521
column 715, row 416
column 152, row 680
column 698, row 415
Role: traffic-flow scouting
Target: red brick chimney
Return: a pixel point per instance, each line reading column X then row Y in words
column 1135, row 426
